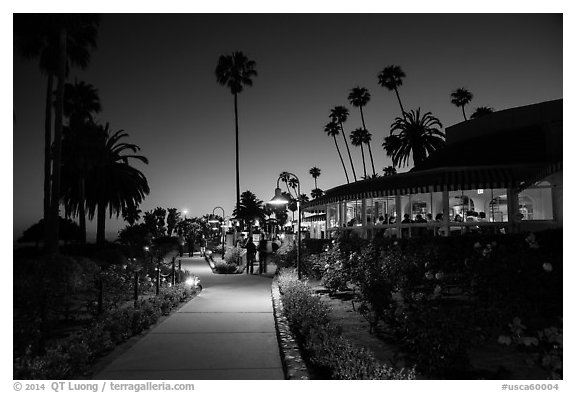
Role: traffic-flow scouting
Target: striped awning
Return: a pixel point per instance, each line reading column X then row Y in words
column 432, row 180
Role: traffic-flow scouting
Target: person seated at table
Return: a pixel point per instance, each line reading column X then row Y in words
column 457, row 218
column 380, row 220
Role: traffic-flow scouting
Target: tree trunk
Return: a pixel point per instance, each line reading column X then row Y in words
column 400, row 102
column 341, row 159
column 348, row 149
column 47, row 154
column 237, row 156
column 363, row 160
column 101, row 224
column 464, row 113
column 55, row 196
column 82, row 208
column 369, row 148
column 315, row 183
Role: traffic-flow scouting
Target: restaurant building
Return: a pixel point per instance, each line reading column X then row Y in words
column 500, row 172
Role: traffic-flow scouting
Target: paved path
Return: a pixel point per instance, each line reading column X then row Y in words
column 226, row 332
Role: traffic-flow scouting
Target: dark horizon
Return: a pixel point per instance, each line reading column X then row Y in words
column 155, row 77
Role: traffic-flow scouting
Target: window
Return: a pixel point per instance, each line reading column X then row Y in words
column 536, row 203
column 333, row 215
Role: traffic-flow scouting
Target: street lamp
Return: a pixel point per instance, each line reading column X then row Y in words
column 280, row 199
column 185, row 212
column 214, row 220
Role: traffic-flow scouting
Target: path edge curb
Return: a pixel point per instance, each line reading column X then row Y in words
column 292, row 362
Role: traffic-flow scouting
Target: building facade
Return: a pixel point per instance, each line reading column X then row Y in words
column 501, row 172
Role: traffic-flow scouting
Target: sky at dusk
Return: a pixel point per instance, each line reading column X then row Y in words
column 155, row 77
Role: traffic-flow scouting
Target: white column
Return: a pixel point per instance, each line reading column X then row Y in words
column 446, row 212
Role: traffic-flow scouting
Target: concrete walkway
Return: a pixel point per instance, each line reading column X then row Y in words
column 226, row 332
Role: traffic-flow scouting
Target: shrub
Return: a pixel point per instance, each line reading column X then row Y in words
column 234, row 255
column 326, row 348
column 285, row 256
column 225, row 268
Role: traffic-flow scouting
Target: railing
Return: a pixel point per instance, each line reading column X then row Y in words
column 426, row 229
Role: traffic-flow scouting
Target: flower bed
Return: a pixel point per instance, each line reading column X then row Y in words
column 443, row 297
column 73, row 355
column 325, row 348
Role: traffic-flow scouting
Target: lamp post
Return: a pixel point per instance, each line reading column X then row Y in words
column 223, row 234
column 185, row 212
column 279, row 199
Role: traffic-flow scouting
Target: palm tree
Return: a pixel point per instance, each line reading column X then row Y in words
column 332, row 130
column 81, row 102
column 60, row 41
column 249, row 209
column 481, row 111
column 356, row 139
column 113, row 184
column 418, row 136
column 236, row 71
column 338, row 115
column 316, row 193
column 315, row 173
column 389, row 170
column 391, row 78
column 131, row 215
column 359, row 97
column 81, row 152
column 461, row 97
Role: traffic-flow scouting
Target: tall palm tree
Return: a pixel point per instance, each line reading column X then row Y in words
column 114, row 184
column 332, row 130
column 315, row 173
column 81, row 102
column 60, row 41
column 81, row 152
column 339, row 114
column 391, row 78
column 356, row 139
column 418, row 136
column 481, row 111
column 359, row 97
column 461, row 97
column 236, row 71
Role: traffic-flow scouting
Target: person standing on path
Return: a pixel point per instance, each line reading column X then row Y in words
column 203, row 246
column 262, row 245
column 250, row 255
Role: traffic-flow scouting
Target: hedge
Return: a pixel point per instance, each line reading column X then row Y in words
column 325, row 347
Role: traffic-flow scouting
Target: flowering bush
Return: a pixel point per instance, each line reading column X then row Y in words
column 545, row 347
column 443, row 296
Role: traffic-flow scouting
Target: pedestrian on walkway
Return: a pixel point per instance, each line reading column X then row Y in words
column 203, row 246
column 262, row 252
column 250, row 255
